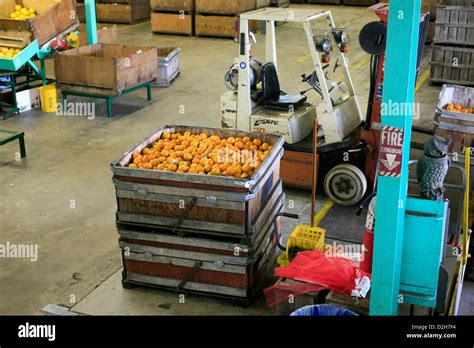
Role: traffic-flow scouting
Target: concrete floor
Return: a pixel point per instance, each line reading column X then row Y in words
column 69, row 159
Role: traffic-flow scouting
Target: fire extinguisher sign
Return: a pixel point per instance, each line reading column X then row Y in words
column 391, row 149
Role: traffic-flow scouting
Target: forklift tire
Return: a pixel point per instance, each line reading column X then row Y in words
column 345, row 184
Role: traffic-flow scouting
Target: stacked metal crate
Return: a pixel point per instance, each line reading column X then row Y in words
column 207, row 234
column 452, row 59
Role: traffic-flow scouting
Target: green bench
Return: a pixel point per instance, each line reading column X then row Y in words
column 9, row 136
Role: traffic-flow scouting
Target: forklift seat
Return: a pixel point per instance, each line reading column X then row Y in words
column 272, row 96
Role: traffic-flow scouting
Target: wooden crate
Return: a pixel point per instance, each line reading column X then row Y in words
column 455, row 25
column 220, row 26
column 53, row 17
column 172, row 23
column 105, row 35
column 222, row 205
column 452, row 65
column 128, row 13
column 110, row 68
column 173, row 5
column 227, row 7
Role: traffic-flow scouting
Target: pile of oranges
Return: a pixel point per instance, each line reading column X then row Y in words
column 459, row 108
column 187, row 153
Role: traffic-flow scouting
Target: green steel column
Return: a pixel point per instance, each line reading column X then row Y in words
column 398, row 95
column 91, row 21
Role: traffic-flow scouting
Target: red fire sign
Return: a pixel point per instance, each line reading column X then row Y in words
column 391, row 148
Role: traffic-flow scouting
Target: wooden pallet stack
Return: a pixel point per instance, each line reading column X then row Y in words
column 221, row 18
column 452, row 59
column 197, row 233
column 121, row 11
column 172, row 16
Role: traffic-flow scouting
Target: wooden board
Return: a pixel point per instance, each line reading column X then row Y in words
column 360, row 2
column 123, row 13
column 173, row 5
column 227, row 7
column 455, row 25
column 106, row 66
column 172, row 23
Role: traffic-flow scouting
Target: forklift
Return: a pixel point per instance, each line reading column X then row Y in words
column 347, row 142
column 255, row 102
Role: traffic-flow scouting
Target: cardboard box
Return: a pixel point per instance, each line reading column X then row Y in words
column 28, row 99
column 173, row 23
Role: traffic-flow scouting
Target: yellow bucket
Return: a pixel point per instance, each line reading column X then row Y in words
column 49, row 98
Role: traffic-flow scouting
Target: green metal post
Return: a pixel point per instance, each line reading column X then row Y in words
column 398, row 96
column 148, row 87
column 109, row 107
column 91, row 22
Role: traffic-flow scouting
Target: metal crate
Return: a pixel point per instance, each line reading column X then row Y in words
column 168, row 66
column 455, row 23
column 452, row 65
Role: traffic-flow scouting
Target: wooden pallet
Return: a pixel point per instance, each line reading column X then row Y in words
column 455, row 25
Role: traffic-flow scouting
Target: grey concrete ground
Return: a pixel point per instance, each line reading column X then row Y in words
column 62, row 198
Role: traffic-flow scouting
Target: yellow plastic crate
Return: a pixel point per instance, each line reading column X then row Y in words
column 303, row 238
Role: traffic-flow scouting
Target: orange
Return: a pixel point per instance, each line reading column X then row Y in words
column 183, row 168
column 137, row 161
column 215, row 171
column 154, row 162
column 230, row 140
column 132, row 165
column 246, row 168
column 224, row 166
column 162, row 159
column 253, row 147
column 265, row 146
column 244, row 176
column 257, row 142
column 136, row 154
column 147, row 166
column 240, row 145
column 146, row 151
column 173, row 167
column 193, row 171
column 160, row 166
column 203, row 136
column 230, row 171
column 207, row 168
column 151, row 157
column 245, row 139
column 187, row 157
column 166, row 135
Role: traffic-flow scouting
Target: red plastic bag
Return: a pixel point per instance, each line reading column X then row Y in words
column 332, row 272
